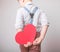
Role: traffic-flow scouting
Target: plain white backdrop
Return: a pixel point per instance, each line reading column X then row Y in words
column 8, row 9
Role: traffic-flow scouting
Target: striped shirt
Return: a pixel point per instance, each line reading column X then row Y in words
column 23, row 17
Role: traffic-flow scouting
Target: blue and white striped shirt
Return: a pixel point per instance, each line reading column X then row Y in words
column 23, row 17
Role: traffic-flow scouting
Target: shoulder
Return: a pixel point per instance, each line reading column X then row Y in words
column 20, row 10
column 39, row 9
column 40, row 12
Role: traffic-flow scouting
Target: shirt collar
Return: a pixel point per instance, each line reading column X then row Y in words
column 28, row 3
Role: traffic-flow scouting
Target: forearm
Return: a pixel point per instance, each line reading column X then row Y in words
column 43, row 32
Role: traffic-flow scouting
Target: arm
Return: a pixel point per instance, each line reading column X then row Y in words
column 19, row 21
column 43, row 32
column 19, row 24
column 44, row 24
column 42, row 35
column 44, row 27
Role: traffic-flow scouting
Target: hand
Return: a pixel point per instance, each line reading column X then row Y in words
column 28, row 44
column 37, row 41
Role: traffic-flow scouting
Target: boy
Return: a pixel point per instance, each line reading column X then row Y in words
column 25, row 14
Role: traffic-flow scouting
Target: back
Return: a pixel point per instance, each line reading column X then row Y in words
column 23, row 17
column 28, row 11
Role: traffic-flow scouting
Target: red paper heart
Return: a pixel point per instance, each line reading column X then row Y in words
column 27, row 35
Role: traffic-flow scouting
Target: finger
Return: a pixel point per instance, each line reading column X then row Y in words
column 38, row 42
column 34, row 43
column 29, row 43
column 25, row 45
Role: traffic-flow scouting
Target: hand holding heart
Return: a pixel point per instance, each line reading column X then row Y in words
column 28, row 44
column 26, row 36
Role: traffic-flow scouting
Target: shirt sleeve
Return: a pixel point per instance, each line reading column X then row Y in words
column 43, row 19
column 19, row 20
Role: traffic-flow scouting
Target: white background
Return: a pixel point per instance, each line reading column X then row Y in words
column 8, row 9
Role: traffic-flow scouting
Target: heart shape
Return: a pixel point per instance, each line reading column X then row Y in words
column 27, row 35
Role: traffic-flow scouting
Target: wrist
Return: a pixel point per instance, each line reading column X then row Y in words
column 41, row 38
